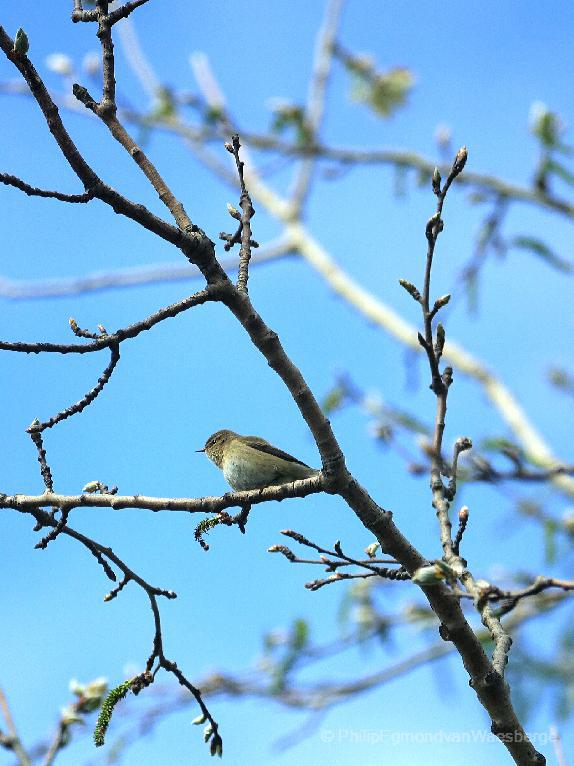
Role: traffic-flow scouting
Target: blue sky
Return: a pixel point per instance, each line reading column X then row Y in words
column 478, row 69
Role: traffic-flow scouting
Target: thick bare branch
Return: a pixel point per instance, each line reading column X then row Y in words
column 27, row 503
column 197, row 248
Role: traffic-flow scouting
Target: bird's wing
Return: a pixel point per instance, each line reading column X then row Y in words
column 255, row 442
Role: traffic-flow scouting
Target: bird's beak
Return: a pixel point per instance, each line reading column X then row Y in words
column 200, row 450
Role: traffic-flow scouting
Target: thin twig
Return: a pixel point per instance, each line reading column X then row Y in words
column 463, row 516
column 440, row 382
column 36, row 436
column 153, row 593
column 315, row 108
column 16, row 289
column 511, row 598
column 12, row 740
column 442, row 495
column 115, row 338
column 501, row 638
column 557, row 746
column 59, row 741
column 33, row 191
column 89, row 397
column 197, row 248
column 124, row 11
column 247, row 213
column 55, row 531
column 333, row 560
column 337, row 552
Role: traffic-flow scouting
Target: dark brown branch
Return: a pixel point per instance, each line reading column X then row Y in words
column 55, row 531
column 195, row 245
column 385, row 572
column 115, row 338
column 488, row 473
column 36, row 436
column 101, row 552
column 510, row 599
column 336, row 553
column 440, row 383
column 107, row 105
column 32, row 191
column 79, row 14
column 89, row 397
column 493, row 696
column 247, row 213
column 463, row 516
column 461, row 445
column 334, row 559
column 106, row 111
column 124, row 11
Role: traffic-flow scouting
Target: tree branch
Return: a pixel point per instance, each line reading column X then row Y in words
column 216, row 504
column 335, row 478
column 11, row 741
column 115, row 338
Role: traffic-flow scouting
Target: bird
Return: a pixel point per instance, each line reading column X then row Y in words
column 250, row 462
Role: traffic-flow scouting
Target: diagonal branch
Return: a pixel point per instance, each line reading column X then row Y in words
column 87, row 398
column 103, row 552
column 489, row 687
column 11, row 741
column 33, row 191
column 197, row 248
column 115, row 338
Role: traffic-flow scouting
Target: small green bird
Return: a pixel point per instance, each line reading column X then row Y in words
column 249, row 462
